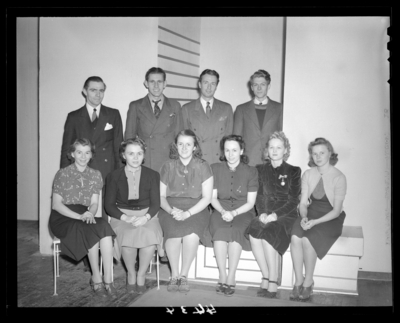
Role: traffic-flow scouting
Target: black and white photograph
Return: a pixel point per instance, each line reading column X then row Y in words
column 195, row 163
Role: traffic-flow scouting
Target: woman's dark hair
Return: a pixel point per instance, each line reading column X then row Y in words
column 173, row 151
column 82, row 142
column 131, row 141
column 322, row 141
column 282, row 137
column 243, row 158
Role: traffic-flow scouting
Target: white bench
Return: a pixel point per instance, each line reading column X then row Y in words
column 336, row 273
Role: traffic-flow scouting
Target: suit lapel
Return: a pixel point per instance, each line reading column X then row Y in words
column 86, row 124
column 166, row 111
column 101, row 123
column 268, row 113
column 147, row 110
column 251, row 110
column 199, row 111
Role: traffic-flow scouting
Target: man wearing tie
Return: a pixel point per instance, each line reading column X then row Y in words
column 210, row 119
column 155, row 119
column 101, row 125
column 257, row 119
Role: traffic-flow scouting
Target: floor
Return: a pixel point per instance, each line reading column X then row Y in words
column 35, row 286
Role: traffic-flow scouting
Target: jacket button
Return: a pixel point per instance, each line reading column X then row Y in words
column 104, row 149
column 151, row 136
column 105, row 160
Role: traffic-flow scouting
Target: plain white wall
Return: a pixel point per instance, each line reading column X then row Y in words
column 27, row 118
column 336, row 87
column 119, row 50
column 236, row 47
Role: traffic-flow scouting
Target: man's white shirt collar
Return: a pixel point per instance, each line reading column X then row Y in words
column 90, row 110
column 204, row 103
column 257, row 102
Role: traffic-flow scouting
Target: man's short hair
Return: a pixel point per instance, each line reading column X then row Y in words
column 155, row 70
column 93, row 79
column 261, row 73
column 209, row 72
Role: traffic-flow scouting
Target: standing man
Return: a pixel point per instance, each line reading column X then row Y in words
column 101, row 125
column 98, row 123
column 209, row 118
column 155, row 119
column 257, row 119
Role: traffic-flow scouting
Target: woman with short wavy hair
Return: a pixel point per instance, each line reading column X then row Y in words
column 276, row 204
column 323, row 189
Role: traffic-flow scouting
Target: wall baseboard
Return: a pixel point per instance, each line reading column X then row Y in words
column 373, row 275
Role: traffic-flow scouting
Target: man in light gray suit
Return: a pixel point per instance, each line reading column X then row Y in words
column 155, row 118
column 210, row 119
column 257, row 119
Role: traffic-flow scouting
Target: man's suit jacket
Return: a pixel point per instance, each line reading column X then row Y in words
column 157, row 133
column 246, row 125
column 107, row 142
column 209, row 130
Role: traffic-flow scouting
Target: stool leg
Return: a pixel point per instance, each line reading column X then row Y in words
column 158, row 272
column 55, row 263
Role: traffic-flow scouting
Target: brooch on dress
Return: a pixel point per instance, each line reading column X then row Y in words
column 185, row 170
column 283, row 179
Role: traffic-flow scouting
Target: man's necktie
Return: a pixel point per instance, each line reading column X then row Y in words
column 208, row 110
column 94, row 115
column 157, row 109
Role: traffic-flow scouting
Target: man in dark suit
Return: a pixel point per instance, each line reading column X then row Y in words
column 257, row 119
column 101, row 125
column 155, row 119
column 210, row 119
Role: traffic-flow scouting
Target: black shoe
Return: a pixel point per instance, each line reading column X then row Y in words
column 164, row 260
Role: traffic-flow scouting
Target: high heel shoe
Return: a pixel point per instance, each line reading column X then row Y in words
column 261, row 292
column 110, row 289
column 97, row 288
column 306, row 292
column 296, row 291
column 220, row 289
column 269, row 294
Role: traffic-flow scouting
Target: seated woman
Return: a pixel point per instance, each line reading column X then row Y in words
column 186, row 189
column 320, row 223
column 276, row 204
column 76, row 190
column 132, row 199
column 234, row 195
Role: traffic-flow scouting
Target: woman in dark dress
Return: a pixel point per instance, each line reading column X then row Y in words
column 234, row 195
column 185, row 189
column 276, row 204
column 76, row 190
column 132, row 199
column 323, row 189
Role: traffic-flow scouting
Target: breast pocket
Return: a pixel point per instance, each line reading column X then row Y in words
column 109, row 134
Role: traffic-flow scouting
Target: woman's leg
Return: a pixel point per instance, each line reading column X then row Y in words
column 234, row 251
column 190, row 244
column 271, row 255
column 310, row 259
column 93, row 256
column 106, row 249
column 221, row 251
column 258, row 252
column 129, row 256
column 145, row 255
column 296, row 251
column 173, row 249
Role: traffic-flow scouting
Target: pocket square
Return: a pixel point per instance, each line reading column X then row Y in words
column 222, row 118
column 172, row 115
column 108, row 126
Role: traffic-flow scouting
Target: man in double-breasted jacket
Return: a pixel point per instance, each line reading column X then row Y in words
column 155, row 118
column 209, row 118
